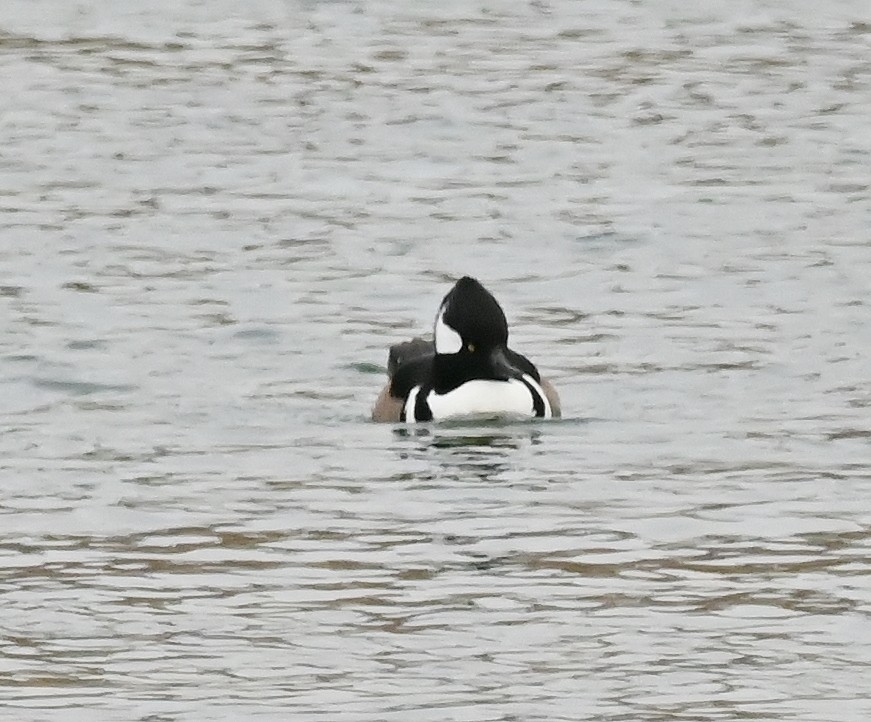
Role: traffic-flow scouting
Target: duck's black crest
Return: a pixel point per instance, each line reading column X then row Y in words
column 475, row 314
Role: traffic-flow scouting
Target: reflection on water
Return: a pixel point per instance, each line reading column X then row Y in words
column 216, row 218
column 467, row 450
column 472, row 435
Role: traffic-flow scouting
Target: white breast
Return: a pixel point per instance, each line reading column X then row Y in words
column 483, row 397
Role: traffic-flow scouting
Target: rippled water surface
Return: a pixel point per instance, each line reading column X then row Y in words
column 216, row 216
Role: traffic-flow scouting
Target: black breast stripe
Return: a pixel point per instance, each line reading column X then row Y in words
column 537, row 401
column 422, row 411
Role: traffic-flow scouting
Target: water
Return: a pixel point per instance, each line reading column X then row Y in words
column 214, row 219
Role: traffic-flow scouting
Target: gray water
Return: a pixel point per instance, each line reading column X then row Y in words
column 216, row 216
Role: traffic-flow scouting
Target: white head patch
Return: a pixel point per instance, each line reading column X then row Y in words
column 446, row 339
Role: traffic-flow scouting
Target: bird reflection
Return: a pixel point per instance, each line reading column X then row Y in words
column 482, row 450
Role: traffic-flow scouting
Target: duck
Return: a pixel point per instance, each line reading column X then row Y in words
column 466, row 370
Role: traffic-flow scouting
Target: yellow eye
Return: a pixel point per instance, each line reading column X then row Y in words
column 471, row 348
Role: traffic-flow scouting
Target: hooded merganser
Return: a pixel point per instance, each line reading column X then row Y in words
column 467, row 370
